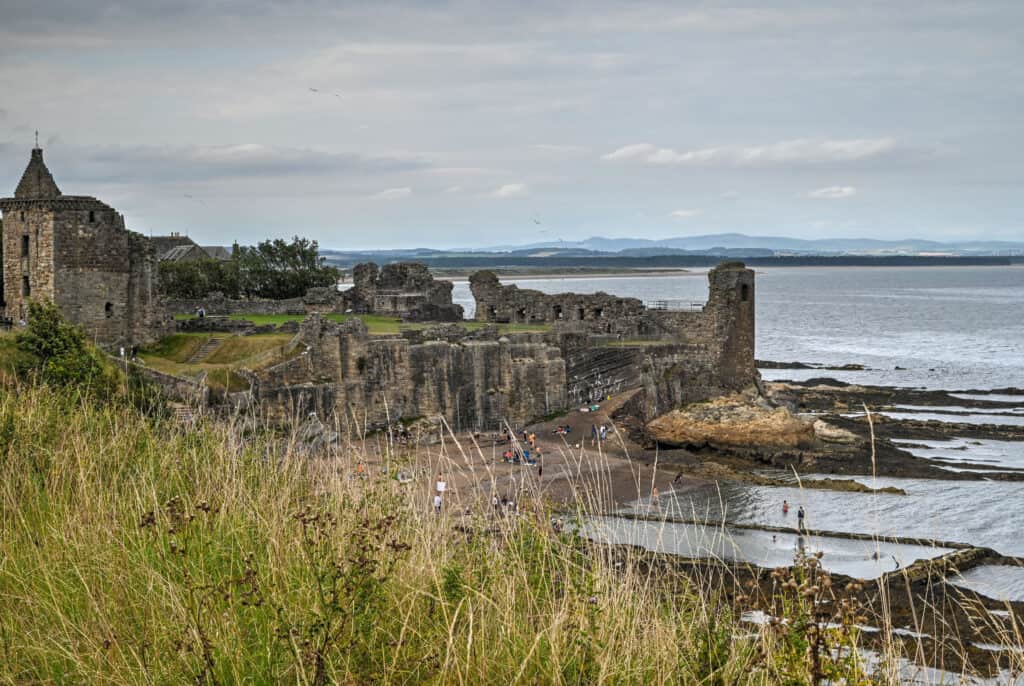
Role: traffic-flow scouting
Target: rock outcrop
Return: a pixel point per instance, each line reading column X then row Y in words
column 738, row 420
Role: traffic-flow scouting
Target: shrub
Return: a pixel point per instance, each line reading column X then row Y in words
column 58, row 353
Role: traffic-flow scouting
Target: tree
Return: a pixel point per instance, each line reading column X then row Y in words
column 279, row 269
column 198, row 278
column 273, row 269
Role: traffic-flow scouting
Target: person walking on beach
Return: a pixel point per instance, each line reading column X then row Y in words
column 593, row 434
column 800, row 518
column 654, row 496
column 785, row 507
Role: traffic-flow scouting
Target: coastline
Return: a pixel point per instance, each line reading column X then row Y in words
column 553, row 273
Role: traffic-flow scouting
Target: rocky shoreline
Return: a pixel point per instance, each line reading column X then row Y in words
column 833, row 427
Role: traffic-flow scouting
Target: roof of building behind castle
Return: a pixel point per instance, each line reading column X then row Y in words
column 36, row 182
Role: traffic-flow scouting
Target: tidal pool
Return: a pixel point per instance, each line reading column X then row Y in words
column 859, row 559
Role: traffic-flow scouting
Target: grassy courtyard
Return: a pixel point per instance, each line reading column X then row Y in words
column 376, row 325
column 184, row 354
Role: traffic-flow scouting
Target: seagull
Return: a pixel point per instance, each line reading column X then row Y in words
column 339, row 96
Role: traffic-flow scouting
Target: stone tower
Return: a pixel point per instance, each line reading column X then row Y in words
column 730, row 308
column 75, row 251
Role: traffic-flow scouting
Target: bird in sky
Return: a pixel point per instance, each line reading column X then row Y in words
column 339, row 96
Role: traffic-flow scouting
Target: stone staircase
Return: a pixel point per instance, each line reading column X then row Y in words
column 205, row 350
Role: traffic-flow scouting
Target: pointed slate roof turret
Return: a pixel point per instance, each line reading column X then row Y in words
column 36, row 182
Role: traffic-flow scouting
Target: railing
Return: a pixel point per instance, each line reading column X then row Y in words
column 674, row 305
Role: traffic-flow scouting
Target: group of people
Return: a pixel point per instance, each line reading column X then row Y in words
column 525, row 451
column 505, row 506
column 132, row 352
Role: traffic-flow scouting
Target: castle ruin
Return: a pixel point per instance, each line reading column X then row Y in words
column 75, row 251
column 593, row 346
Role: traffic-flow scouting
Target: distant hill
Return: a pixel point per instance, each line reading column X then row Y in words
column 686, row 251
column 719, row 243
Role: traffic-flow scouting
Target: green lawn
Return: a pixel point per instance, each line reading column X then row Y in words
column 376, row 325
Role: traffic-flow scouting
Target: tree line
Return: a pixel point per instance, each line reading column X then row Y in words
column 273, row 269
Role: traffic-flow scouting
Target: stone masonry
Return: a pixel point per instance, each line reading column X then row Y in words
column 76, row 252
column 362, row 382
column 402, row 289
column 480, row 380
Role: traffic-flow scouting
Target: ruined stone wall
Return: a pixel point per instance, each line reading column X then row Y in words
column 363, row 381
column 147, row 317
column 600, row 312
column 476, row 380
column 218, row 304
column 402, row 289
column 717, row 341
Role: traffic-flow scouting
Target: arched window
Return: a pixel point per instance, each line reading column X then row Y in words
column 744, row 292
column 108, row 310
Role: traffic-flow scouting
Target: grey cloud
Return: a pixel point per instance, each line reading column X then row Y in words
column 211, row 162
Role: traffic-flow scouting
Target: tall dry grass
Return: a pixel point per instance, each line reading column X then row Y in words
column 136, row 551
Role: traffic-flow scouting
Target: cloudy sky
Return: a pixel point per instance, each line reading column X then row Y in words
column 392, row 124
